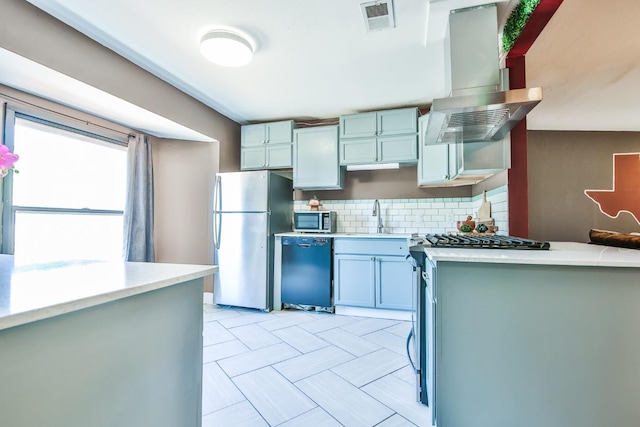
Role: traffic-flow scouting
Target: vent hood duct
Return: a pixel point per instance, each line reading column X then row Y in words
column 479, row 108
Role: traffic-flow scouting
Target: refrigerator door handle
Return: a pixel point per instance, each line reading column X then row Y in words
column 218, row 233
column 217, row 188
column 217, row 222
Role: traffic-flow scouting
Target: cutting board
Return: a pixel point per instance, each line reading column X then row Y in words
column 484, row 211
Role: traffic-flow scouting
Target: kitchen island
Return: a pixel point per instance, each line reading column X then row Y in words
column 531, row 338
column 100, row 343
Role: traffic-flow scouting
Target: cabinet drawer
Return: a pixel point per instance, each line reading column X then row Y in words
column 370, row 246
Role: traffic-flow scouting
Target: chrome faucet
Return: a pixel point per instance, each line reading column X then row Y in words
column 378, row 212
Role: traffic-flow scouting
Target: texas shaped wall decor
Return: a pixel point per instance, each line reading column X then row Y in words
column 625, row 195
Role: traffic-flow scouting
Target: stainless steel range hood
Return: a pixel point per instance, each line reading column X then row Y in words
column 479, row 109
column 481, row 117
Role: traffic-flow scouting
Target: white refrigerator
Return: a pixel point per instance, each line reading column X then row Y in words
column 248, row 208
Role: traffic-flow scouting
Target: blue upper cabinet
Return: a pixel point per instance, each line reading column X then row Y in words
column 280, row 132
column 267, row 145
column 357, row 151
column 315, row 159
column 252, row 135
column 397, row 122
column 379, row 137
column 379, row 123
column 359, row 125
column 437, row 162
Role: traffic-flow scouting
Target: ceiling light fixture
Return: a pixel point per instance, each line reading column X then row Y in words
column 226, row 48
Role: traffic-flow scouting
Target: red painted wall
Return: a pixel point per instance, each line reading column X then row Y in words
column 518, row 184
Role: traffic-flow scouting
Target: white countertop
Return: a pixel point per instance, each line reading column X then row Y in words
column 560, row 253
column 29, row 293
column 348, row 235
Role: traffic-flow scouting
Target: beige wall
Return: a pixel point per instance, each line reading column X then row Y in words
column 396, row 184
column 184, row 174
column 561, row 166
column 383, row 184
column 229, row 150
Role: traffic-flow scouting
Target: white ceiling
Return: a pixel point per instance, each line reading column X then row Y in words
column 315, row 59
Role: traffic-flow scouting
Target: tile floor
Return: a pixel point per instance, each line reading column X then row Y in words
column 299, row 368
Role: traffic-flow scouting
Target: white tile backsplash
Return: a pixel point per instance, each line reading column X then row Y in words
column 437, row 215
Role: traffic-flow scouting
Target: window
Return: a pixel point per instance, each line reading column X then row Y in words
column 67, row 201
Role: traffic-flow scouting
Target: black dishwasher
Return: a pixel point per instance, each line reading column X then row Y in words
column 307, row 272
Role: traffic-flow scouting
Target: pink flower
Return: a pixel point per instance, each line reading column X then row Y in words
column 7, row 160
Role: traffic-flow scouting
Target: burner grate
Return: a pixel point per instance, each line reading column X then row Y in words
column 483, row 242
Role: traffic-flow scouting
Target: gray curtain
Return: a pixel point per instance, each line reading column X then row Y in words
column 138, row 209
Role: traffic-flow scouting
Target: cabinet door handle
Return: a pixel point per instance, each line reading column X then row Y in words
column 373, row 270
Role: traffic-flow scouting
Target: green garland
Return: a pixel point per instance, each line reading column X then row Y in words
column 515, row 24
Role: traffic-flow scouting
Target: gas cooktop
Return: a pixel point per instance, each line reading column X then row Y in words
column 479, row 242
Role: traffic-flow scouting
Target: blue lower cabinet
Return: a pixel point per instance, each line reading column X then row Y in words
column 354, row 278
column 372, row 273
column 393, row 287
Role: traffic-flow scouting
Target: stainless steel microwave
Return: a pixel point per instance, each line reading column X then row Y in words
column 314, row 221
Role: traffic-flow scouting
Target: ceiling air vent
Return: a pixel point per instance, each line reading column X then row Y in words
column 378, row 15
